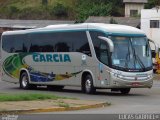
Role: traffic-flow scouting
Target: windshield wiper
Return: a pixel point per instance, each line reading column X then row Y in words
column 137, row 58
column 127, row 59
column 140, row 62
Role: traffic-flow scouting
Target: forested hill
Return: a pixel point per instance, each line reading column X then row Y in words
column 78, row 10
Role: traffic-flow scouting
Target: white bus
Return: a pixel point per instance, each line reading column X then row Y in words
column 92, row 56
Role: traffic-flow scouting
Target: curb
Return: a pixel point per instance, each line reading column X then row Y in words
column 55, row 109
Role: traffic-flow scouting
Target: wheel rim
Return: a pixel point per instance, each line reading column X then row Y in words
column 24, row 81
column 88, row 85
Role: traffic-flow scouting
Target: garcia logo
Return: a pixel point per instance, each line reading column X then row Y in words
column 51, row 57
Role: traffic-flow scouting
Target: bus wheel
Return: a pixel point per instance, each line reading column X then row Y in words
column 24, row 82
column 88, row 85
column 125, row 90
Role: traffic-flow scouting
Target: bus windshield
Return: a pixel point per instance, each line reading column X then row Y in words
column 131, row 53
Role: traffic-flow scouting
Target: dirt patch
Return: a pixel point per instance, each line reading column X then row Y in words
column 156, row 77
column 48, row 105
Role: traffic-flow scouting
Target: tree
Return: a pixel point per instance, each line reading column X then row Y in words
column 59, row 10
column 98, row 8
column 152, row 3
column 44, row 2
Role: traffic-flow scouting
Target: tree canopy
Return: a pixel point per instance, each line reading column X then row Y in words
column 78, row 10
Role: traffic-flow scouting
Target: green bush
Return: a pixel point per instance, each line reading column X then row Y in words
column 12, row 10
column 65, row 9
column 59, row 10
column 33, row 13
column 98, row 8
column 44, row 2
column 92, row 9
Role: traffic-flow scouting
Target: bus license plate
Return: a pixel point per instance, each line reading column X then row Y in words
column 135, row 84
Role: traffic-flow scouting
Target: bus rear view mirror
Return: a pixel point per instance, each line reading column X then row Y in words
column 155, row 44
column 109, row 41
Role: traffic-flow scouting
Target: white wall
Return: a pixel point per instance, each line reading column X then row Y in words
column 152, row 33
column 133, row 6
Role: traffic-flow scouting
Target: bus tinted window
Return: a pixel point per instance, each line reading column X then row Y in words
column 101, row 47
column 96, row 41
column 42, row 42
column 64, row 42
column 80, row 42
column 59, row 42
column 15, row 43
column 47, row 42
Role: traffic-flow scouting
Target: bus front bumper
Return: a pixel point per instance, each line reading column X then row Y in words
column 131, row 83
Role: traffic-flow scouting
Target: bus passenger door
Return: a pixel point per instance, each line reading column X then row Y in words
column 103, row 66
column 101, row 58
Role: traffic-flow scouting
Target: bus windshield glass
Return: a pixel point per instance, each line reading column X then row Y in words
column 131, row 53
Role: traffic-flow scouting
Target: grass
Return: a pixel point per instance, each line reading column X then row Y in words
column 28, row 97
column 65, row 105
column 61, row 103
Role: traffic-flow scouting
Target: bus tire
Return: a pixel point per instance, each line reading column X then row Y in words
column 88, row 85
column 125, row 90
column 24, row 82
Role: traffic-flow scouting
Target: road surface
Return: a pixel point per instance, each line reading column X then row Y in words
column 141, row 100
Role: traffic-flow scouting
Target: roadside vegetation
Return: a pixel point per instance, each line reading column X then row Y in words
column 28, row 97
column 37, row 9
column 78, row 10
column 63, row 104
column 98, row 8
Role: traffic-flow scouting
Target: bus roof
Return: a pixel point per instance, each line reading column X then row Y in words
column 111, row 29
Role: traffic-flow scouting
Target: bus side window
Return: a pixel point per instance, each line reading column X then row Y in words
column 80, row 42
column 100, row 47
column 104, row 53
column 15, row 43
column 75, row 41
column 85, row 49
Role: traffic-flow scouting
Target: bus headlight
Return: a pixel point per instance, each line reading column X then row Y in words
column 118, row 75
column 150, row 76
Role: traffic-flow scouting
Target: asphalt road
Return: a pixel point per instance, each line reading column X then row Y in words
column 141, row 100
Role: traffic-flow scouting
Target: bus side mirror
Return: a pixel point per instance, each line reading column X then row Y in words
column 109, row 41
column 155, row 44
